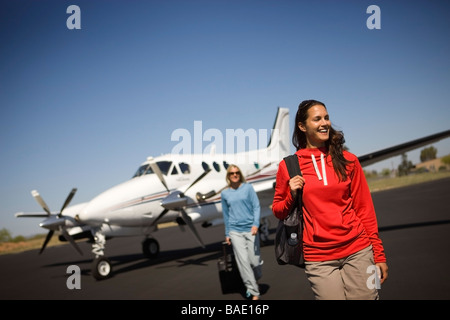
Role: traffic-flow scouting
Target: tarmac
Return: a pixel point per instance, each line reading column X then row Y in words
column 414, row 225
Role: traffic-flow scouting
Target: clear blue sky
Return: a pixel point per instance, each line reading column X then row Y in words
column 83, row 108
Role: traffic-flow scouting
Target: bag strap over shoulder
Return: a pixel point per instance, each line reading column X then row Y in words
column 293, row 167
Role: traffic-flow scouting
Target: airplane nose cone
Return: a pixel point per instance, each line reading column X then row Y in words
column 52, row 223
column 88, row 213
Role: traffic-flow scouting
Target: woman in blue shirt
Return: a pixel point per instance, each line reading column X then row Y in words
column 241, row 214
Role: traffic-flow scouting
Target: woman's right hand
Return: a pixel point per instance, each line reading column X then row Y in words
column 296, row 183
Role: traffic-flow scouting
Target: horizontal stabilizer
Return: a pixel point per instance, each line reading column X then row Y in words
column 387, row 153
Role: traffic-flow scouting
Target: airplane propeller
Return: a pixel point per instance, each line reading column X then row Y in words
column 176, row 200
column 55, row 221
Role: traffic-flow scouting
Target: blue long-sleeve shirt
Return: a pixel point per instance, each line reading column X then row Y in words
column 240, row 208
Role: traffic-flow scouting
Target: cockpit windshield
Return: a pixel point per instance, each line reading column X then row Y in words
column 164, row 166
column 143, row 170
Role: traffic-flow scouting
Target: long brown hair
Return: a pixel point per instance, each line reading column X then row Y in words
column 334, row 145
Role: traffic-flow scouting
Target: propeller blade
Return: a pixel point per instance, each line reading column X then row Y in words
column 69, row 198
column 70, row 239
column 159, row 217
column 42, row 203
column 191, row 226
column 158, row 172
column 47, row 239
column 198, row 179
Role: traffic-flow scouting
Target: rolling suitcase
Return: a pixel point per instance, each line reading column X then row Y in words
column 230, row 279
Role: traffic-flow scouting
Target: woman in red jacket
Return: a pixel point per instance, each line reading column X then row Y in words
column 342, row 249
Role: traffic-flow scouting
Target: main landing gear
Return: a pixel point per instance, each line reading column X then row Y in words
column 150, row 248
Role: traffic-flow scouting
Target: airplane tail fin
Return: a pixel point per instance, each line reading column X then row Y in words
column 279, row 144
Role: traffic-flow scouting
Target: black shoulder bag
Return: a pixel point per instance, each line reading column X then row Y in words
column 289, row 234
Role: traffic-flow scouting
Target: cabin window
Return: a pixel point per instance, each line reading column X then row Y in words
column 216, row 166
column 205, row 166
column 225, row 164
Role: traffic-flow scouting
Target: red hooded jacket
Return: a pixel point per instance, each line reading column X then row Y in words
column 339, row 217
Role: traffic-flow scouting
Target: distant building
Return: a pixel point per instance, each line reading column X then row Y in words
column 431, row 165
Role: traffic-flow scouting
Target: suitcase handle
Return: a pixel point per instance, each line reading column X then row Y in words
column 224, row 250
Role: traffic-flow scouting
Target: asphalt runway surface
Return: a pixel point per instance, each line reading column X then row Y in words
column 414, row 224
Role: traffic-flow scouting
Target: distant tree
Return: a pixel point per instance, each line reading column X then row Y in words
column 385, row 172
column 370, row 174
column 18, row 239
column 405, row 166
column 5, row 236
column 428, row 154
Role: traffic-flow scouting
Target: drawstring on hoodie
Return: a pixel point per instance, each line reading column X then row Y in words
column 325, row 182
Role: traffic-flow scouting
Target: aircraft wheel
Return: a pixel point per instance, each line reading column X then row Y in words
column 150, row 248
column 101, row 268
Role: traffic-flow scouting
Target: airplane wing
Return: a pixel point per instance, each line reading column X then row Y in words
column 387, row 153
column 265, row 188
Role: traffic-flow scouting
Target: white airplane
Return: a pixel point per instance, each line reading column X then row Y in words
column 181, row 188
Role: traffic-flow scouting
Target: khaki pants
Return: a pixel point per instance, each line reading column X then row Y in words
column 343, row 279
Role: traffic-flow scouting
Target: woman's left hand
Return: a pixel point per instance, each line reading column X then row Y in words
column 254, row 230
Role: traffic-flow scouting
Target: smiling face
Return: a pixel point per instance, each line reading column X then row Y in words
column 316, row 127
column 234, row 176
